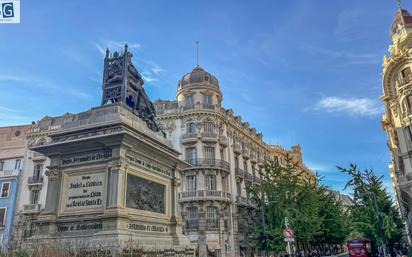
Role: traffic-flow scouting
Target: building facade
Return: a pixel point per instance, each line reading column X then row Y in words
column 13, row 146
column 225, row 154
column 397, row 119
column 33, row 180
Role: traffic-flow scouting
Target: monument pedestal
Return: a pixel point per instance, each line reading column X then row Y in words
column 112, row 183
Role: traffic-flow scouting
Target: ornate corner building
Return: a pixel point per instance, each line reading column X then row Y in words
column 225, row 154
column 397, row 120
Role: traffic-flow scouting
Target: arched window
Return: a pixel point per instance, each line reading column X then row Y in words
column 208, row 127
column 211, row 213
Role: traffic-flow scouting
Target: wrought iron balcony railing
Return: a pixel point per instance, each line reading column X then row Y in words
column 210, row 163
column 204, row 194
column 35, row 180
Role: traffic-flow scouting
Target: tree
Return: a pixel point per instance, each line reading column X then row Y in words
column 311, row 209
column 373, row 214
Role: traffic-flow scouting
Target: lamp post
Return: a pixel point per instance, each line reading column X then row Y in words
column 378, row 217
column 265, row 250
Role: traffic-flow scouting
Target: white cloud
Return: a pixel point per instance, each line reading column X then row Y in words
column 351, row 106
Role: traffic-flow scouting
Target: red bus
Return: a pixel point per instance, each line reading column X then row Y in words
column 360, row 247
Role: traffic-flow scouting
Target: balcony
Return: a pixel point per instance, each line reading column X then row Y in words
column 38, row 157
column 210, row 163
column 189, row 138
column 206, row 107
column 248, row 177
column 223, row 140
column 209, row 137
column 199, row 107
column 35, row 180
column 241, row 200
column 212, row 224
column 236, row 148
column 244, row 201
column 192, row 225
column 257, row 180
column 246, row 153
column 204, row 195
column 188, row 107
column 239, row 173
column 31, row 208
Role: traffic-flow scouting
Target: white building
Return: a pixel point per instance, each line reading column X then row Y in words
column 225, row 154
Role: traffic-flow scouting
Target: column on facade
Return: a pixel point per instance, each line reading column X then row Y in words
column 53, row 191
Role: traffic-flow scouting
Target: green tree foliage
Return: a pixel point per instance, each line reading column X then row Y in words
column 373, row 214
column 311, row 209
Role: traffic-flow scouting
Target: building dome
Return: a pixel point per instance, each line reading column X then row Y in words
column 198, row 76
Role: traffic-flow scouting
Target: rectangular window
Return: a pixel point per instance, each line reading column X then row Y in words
column 207, row 100
column 193, row 213
column 17, row 164
column 210, row 182
column 189, row 101
column 191, row 127
column 2, row 217
column 34, row 197
column 38, row 169
column 1, row 165
column 191, row 155
column 245, row 166
column 191, row 183
column 5, row 189
column 209, row 152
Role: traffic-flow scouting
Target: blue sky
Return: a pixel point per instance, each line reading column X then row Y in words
column 300, row 71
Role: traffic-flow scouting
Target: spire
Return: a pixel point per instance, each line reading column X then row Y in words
column 398, row 3
column 197, row 53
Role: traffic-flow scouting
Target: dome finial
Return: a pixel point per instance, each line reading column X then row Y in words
column 197, row 53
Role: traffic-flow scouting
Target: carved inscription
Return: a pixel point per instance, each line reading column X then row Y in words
column 84, row 191
column 86, row 157
column 79, row 227
column 146, row 195
column 148, row 228
column 149, row 165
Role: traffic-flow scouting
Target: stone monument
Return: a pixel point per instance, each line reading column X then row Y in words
column 113, row 174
